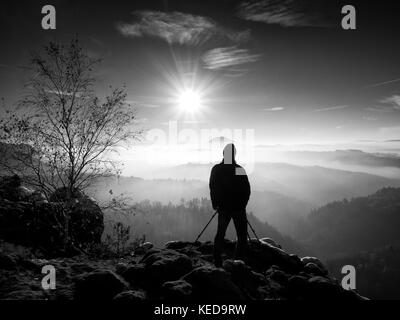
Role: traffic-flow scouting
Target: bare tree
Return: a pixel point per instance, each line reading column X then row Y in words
column 62, row 134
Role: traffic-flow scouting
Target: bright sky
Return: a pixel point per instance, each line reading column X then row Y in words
column 288, row 72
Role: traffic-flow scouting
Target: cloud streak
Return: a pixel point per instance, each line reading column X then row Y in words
column 388, row 104
column 331, row 108
column 178, row 28
column 274, row 109
column 225, row 58
column 287, row 13
column 379, row 84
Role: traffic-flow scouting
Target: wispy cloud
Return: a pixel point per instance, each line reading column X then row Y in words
column 331, row 108
column 143, row 104
column 394, row 101
column 379, row 84
column 388, row 104
column 287, row 13
column 178, row 28
column 274, row 109
column 369, row 118
column 225, row 58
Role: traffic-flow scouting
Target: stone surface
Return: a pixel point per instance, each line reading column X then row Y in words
column 178, row 290
column 99, row 285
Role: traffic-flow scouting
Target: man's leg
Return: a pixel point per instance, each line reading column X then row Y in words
column 240, row 221
column 223, row 221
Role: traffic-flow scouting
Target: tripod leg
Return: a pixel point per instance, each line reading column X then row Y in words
column 253, row 230
column 204, row 229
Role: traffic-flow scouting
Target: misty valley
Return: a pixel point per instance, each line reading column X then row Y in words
column 337, row 215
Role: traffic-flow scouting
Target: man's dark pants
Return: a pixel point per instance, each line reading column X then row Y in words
column 240, row 222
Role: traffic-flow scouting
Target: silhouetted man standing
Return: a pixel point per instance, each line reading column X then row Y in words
column 230, row 192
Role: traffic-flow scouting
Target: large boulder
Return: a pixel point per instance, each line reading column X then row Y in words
column 9, row 186
column 12, row 189
column 271, row 242
column 86, row 217
column 135, row 274
column 210, row 283
column 178, row 290
column 166, row 265
column 144, row 248
column 246, row 279
column 32, row 221
column 262, row 255
column 31, row 225
column 99, row 285
column 316, row 262
column 314, row 269
column 297, row 285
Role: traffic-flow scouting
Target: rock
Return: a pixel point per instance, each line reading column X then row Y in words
column 121, row 268
column 176, row 245
column 297, row 285
column 135, row 274
column 149, row 253
column 86, row 217
column 167, row 265
column 7, row 262
column 314, row 269
column 316, row 261
column 9, row 187
column 12, row 189
column 206, row 247
column 26, row 295
column 178, row 290
column 99, row 285
column 63, row 195
column 274, row 273
column 246, row 279
column 24, row 193
column 38, row 225
column 273, row 290
column 168, row 274
column 261, row 256
column 143, row 248
column 80, row 268
column 324, row 288
column 130, row 296
column 38, row 197
column 213, row 284
column 271, row 242
column 354, row 296
column 87, row 223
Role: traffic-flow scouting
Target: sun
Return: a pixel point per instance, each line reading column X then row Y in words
column 190, row 101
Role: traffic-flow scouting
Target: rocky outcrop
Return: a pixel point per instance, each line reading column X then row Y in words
column 27, row 218
column 185, row 273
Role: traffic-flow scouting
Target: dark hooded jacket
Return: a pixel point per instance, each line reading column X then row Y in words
column 228, row 189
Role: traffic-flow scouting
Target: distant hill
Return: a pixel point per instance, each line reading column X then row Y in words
column 378, row 271
column 350, row 157
column 282, row 194
column 311, row 184
column 351, row 226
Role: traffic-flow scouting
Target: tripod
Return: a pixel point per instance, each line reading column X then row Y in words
column 215, row 213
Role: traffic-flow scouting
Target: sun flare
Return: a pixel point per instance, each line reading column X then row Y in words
column 189, row 101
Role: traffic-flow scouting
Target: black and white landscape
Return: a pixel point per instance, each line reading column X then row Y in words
column 113, row 114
